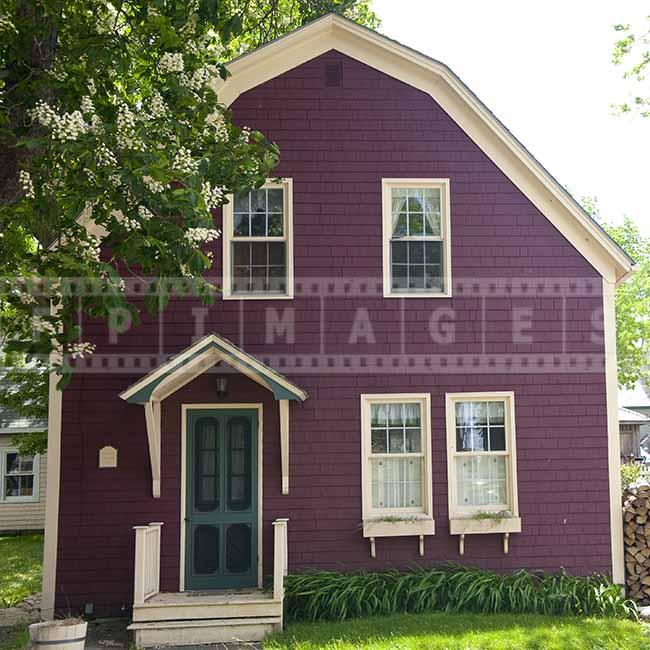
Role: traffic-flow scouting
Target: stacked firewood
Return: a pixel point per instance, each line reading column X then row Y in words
column 636, row 531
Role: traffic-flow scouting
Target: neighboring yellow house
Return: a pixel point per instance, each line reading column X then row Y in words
column 23, row 479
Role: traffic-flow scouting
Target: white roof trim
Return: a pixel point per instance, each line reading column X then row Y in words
column 332, row 32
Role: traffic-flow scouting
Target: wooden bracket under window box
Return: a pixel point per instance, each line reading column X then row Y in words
column 471, row 526
column 398, row 527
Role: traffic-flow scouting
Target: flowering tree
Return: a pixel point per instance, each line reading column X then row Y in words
column 114, row 150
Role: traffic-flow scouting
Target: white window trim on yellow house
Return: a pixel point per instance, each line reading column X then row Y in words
column 461, row 518
column 442, row 184
column 388, row 522
column 286, row 184
column 3, row 474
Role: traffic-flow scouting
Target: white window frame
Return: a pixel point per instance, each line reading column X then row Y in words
column 3, row 475
column 387, row 185
column 286, row 184
column 458, row 512
column 383, row 522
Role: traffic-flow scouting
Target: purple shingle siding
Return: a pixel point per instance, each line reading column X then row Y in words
column 336, row 144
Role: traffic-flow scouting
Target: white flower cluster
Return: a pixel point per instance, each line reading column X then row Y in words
column 197, row 236
column 154, row 186
column 211, row 195
column 245, row 135
column 171, row 62
column 90, row 248
column 184, row 163
column 66, row 127
column 127, row 222
column 105, row 156
column 87, row 106
column 42, row 325
column 216, row 122
column 198, row 79
column 80, row 350
column 126, row 135
column 26, row 183
column 144, row 212
column 91, row 87
column 158, row 106
column 7, row 25
column 26, row 298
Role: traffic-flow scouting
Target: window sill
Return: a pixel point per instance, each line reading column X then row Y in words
column 257, row 296
column 399, row 528
column 470, row 526
column 406, row 294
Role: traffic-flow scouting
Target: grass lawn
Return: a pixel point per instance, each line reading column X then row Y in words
column 21, row 567
column 441, row 631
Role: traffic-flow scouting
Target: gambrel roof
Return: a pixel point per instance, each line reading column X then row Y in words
column 332, row 32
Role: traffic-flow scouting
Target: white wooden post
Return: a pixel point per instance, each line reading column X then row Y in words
column 155, row 560
column 139, row 576
column 284, row 443
column 279, row 557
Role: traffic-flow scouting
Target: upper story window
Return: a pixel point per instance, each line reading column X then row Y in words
column 258, row 243
column 416, row 238
column 396, row 454
column 482, row 456
column 19, row 476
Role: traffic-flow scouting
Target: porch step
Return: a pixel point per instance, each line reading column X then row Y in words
column 192, row 606
column 197, row 632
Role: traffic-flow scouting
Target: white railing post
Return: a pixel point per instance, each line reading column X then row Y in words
column 139, row 574
column 146, row 574
column 280, row 553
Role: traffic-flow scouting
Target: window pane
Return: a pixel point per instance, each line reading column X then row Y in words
column 206, row 483
column 241, row 226
column 400, row 225
column 276, row 253
column 275, row 200
column 259, row 253
column 241, row 203
column 277, row 279
column 258, row 201
column 399, row 252
column 275, row 225
column 400, row 277
column 241, row 253
column 432, row 211
column 396, row 441
column 413, row 441
column 416, row 225
column 258, row 225
column 433, row 252
column 471, row 439
column 471, row 413
column 497, row 438
column 416, row 276
column 12, row 486
column 379, row 441
column 12, row 463
column 239, row 463
column 481, row 480
column 26, row 463
column 395, row 415
column 415, row 200
column 412, row 413
column 416, row 252
column 378, row 414
column 26, row 486
column 396, row 482
column 496, row 411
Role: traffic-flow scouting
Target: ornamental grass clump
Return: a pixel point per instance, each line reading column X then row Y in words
column 328, row 595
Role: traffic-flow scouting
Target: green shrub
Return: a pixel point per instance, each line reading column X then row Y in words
column 329, row 595
column 630, row 473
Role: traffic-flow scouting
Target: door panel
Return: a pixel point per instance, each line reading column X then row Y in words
column 221, row 499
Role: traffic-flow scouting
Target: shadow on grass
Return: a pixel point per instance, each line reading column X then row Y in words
column 441, row 631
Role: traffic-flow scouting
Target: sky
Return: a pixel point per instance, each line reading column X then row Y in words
column 545, row 70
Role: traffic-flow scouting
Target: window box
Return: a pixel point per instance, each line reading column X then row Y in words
column 472, row 526
column 398, row 527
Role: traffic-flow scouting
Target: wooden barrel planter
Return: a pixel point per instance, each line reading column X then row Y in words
column 65, row 634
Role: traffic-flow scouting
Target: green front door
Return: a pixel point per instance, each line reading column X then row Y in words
column 221, row 493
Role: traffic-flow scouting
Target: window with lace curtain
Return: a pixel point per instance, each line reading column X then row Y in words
column 397, row 458
column 482, row 465
column 416, row 233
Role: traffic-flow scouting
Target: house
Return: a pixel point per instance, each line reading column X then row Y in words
column 632, row 439
column 412, row 361
column 637, row 400
column 23, row 477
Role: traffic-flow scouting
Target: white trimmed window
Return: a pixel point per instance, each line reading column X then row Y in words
column 19, row 474
column 258, row 243
column 396, row 456
column 416, row 238
column 481, row 454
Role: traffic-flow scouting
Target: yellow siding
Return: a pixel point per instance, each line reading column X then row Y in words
column 25, row 515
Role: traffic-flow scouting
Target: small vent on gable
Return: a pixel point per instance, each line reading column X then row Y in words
column 333, row 73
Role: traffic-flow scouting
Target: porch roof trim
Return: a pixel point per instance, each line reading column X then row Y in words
column 199, row 357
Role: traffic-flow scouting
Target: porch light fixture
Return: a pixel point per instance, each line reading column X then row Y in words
column 222, row 386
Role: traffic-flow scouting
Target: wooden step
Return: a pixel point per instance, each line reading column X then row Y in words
column 230, row 630
column 188, row 606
